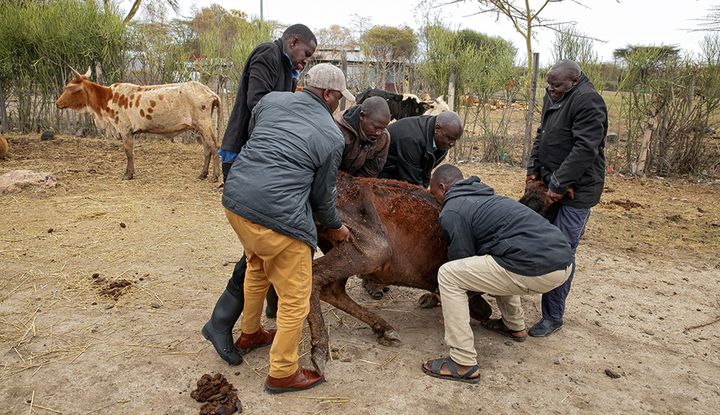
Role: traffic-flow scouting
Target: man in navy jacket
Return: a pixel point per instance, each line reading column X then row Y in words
column 495, row 246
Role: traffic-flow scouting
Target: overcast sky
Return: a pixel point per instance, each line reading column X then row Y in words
column 646, row 22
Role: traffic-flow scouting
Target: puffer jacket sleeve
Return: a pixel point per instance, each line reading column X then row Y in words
column 323, row 194
column 588, row 133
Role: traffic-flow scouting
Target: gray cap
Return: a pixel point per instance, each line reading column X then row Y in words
column 327, row 76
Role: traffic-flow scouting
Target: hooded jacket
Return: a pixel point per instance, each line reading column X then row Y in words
column 267, row 69
column 363, row 156
column 569, row 149
column 412, row 154
column 476, row 222
column 286, row 172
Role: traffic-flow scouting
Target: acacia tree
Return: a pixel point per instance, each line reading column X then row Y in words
column 390, row 47
column 135, row 7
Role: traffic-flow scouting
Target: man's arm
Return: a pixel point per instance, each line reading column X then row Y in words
column 458, row 235
column 323, row 194
column 263, row 75
column 588, row 132
column 533, row 167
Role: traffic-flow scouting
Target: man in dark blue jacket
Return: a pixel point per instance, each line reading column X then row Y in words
column 418, row 144
column 495, row 246
column 569, row 156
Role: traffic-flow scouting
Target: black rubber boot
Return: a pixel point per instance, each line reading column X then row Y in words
column 219, row 329
column 272, row 301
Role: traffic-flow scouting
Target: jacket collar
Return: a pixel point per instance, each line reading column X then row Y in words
column 351, row 120
column 318, row 99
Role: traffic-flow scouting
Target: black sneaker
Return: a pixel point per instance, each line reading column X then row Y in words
column 545, row 327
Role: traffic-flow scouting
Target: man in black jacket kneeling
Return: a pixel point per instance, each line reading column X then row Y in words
column 495, row 246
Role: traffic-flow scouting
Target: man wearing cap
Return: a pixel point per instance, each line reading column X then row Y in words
column 419, row 144
column 281, row 184
column 272, row 66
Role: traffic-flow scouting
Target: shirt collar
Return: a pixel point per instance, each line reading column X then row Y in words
column 288, row 61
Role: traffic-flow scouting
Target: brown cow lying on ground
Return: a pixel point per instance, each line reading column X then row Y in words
column 157, row 109
column 4, row 147
column 395, row 239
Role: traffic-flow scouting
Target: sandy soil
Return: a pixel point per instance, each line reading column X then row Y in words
column 105, row 284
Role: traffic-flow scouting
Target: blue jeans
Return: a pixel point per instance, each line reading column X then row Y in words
column 571, row 222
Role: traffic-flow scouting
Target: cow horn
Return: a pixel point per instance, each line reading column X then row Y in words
column 88, row 73
column 75, row 73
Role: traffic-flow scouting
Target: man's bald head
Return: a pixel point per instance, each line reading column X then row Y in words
column 561, row 78
column 443, row 178
column 375, row 107
column 374, row 117
column 568, row 68
column 448, row 129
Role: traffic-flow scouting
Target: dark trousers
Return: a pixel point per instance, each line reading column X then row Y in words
column 236, row 283
column 571, row 222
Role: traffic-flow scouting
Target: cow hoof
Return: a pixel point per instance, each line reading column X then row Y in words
column 127, row 176
column 429, row 300
column 213, row 179
column 318, row 360
column 390, row 338
column 202, row 176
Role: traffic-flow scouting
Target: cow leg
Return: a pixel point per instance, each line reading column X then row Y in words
column 336, row 295
column 330, row 273
column 319, row 337
column 206, row 136
column 128, row 145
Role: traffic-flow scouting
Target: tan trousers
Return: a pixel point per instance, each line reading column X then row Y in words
column 483, row 274
column 287, row 264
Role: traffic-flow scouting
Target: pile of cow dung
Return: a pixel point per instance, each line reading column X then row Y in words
column 219, row 395
column 113, row 289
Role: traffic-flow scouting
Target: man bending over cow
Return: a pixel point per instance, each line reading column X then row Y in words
column 366, row 148
column 366, row 137
column 495, row 246
column 284, row 176
column 419, row 144
column 272, row 66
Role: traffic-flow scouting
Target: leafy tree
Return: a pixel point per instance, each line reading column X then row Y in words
column 390, row 47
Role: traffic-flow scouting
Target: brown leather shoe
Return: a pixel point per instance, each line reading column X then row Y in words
column 300, row 380
column 247, row 342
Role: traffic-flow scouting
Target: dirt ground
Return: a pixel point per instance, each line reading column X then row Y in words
column 105, row 284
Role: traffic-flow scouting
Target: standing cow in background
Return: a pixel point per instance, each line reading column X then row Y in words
column 157, row 109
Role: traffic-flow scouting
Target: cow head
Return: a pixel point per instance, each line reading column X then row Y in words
column 75, row 93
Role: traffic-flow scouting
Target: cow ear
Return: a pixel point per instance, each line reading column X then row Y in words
column 73, row 87
column 87, row 74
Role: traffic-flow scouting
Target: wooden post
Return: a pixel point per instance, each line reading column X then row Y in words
column 451, row 91
column 530, row 111
column 3, row 113
column 344, row 67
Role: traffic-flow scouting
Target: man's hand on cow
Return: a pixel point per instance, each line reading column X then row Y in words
column 340, row 234
column 530, row 178
column 552, row 197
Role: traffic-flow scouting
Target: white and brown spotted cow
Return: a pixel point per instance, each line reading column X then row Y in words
column 158, row 109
